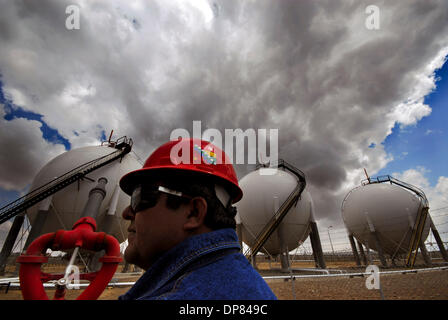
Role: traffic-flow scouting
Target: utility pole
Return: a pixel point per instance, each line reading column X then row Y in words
column 328, row 230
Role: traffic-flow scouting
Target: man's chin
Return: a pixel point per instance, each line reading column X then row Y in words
column 130, row 256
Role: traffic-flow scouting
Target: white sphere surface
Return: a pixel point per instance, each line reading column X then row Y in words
column 391, row 210
column 263, row 195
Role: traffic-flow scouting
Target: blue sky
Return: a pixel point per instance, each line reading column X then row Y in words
column 13, row 111
column 424, row 144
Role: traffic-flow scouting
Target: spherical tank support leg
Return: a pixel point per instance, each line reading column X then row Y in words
column 355, row 252
column 10, row 240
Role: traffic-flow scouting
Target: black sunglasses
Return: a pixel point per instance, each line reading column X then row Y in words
column 146, row 196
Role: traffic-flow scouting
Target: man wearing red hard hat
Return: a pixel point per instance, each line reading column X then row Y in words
column 182, row 226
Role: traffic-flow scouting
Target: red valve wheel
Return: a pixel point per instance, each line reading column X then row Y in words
column 82, row 235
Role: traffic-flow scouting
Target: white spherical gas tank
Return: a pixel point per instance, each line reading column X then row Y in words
column 67, row 204
column 263, row 195
column 390, row 209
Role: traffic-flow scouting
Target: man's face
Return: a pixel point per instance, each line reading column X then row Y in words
column 153, row 231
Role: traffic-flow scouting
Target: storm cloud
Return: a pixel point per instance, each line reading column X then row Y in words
column 311, row 69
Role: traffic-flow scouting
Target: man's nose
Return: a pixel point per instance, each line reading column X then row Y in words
column 128, row 214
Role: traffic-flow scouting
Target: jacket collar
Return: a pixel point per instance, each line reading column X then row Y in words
column 179, row 257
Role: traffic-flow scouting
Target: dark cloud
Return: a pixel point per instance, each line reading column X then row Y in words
column 310, row 69
column 23, row 155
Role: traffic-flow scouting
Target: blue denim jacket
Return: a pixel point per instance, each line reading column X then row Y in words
column 208, row 266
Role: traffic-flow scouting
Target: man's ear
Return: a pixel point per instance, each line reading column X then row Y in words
column 196, row 214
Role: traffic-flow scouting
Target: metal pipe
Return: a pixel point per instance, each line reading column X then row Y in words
column 91, row 209
column 357, row 274
column 96, row 196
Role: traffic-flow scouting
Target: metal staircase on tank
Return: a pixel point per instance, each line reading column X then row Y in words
column 419, row 223
column 123, row 146
column 278, row 217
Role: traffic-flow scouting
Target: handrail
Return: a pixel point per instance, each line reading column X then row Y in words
column 388, row 178
column 40, row 193
column 118, row 142
column 282, row 163
column 50, row 183
column 277, row 218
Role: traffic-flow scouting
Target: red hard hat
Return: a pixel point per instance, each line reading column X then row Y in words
column 193, row 156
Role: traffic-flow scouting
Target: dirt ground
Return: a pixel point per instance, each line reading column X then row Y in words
column 431, row 285
column 423, row 285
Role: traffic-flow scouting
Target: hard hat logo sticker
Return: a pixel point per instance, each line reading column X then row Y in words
column 208, row 156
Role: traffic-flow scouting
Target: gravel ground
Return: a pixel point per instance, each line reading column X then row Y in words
column 427, row 285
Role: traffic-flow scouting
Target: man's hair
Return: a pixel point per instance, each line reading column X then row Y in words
column 218, row 216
